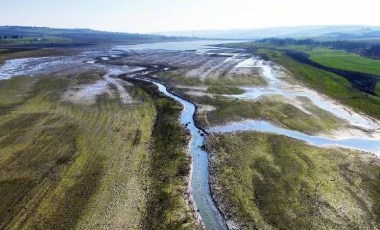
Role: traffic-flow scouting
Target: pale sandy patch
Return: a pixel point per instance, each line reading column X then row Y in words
column 87, row 94
column 205, row 108
column 121, row 91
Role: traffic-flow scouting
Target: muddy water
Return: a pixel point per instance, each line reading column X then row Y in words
column 199, row 187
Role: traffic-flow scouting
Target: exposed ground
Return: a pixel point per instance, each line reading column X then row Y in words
column 79, row 148
column 27, row 53
column 80, row 151
column 265, row 181
column 282, row 100
column 59, row 169
column 88, row 93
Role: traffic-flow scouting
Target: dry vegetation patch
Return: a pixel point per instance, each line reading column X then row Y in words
column 265, row 181
column 74, row 166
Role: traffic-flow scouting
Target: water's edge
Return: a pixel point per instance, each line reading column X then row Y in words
column 363, row 144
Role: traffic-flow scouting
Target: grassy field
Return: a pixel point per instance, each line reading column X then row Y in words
column 344, row 60
column 178, row 78
column 377, row 89
column 266, row 181
column 59, row 168
column 67, row 166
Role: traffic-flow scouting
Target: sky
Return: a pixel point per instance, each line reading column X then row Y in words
column 146, row 16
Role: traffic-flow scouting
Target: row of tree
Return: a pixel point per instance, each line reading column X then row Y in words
column 364, row 48
column 373, row 51
column 11, row 37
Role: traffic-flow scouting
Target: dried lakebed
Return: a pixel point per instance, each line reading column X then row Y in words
column 180, row 54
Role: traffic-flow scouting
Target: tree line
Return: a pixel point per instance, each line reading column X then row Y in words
column 363, row 48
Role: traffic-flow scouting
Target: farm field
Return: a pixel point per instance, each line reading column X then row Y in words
column 344, row 60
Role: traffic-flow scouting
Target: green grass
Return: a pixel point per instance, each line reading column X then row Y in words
column 57, row 160
column 14, row 91
column 377, row 89
column 180, row 78
column 266, row 181
column 344, row 60
column 87, row 78
column 224, row 90
column 67, row 166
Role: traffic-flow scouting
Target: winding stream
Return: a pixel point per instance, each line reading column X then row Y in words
column 199, row 187
column 365, row 144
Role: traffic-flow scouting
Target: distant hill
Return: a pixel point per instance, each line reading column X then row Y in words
column 33, row 35
column 16, row 35
column 325, row 32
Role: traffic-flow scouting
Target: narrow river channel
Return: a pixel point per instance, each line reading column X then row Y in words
column 200, row 189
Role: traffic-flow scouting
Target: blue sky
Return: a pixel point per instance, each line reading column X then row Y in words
column 168, row 15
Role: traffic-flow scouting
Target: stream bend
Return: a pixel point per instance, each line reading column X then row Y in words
column 199, row 182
